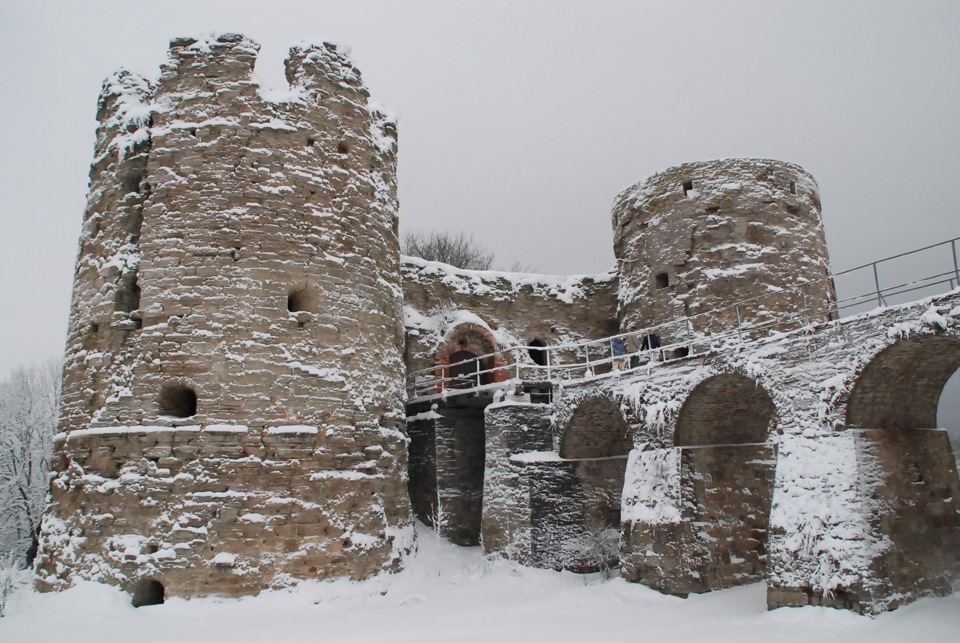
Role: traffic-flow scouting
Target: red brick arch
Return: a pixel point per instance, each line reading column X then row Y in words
column 475, row 339
column 900, row 387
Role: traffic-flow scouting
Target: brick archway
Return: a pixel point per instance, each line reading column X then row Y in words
column 909, row 467
column 725, row 409
column 595, row 443
column 475, row 339
column 900, row 387
column 726, row 480
column 596, row 429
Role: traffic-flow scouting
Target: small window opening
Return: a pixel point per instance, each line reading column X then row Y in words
column 342, row 148
column 178, row 400
column 537, row 354
column 662, row 280
column 303, row 299
column 683, row 351
column 147, row 592
column 132, row 181
column 688, row 189
column 193, row 131
column 311, row 141
column 127, row 296
column 793, row 187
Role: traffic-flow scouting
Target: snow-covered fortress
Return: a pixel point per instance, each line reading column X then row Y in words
column 259, row 389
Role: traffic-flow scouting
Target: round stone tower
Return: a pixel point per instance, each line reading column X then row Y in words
column 232, row 411
column 704, row 236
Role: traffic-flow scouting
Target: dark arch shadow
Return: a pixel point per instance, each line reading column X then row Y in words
column 900, row 388
column 907, row 464
column 594, row 447
column 726, row 480
column 725, row 409
column 596, row 429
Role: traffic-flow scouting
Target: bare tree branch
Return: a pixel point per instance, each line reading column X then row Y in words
column 458, row 250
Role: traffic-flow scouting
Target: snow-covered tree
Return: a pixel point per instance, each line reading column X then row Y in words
column 29, row 402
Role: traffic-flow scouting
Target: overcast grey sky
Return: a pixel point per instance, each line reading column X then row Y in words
column 520, row 121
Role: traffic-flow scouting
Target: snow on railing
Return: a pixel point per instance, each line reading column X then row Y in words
column 617, row 354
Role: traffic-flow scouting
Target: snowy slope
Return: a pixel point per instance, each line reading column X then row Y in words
column 455, row 594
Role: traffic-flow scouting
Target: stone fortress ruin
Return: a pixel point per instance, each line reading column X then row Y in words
column 258, row 388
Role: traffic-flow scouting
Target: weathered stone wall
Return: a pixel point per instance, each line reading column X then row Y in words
column 446, row 467
column 832, row 537
column 702, row 236
column 239, row 266
column 515, row 309
column 721, row 537
column 511, row 430
column 544, row 509
column 422, row 458
column 225, row 510
column 921, row 518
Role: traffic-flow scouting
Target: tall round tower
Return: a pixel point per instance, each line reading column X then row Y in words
column 703, row 236
column 232, row 413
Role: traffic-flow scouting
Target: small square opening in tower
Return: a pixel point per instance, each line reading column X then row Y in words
column 688, row 189
column 662, row 280
column 793, row 187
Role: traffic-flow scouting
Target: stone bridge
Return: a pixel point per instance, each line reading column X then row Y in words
column 809, row 460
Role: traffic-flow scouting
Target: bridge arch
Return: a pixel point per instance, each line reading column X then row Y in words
column 900, row 387
column 593, row 445
column 912, row 472
column 596, row 428
column 726, row 480
column 725, row 409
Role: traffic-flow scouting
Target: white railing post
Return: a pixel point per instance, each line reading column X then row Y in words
column 739, row 329
column 548, row 352
column 956, row 267
column 803, row 293
column 876, row 281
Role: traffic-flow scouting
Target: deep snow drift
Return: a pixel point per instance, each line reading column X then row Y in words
column 455, row 594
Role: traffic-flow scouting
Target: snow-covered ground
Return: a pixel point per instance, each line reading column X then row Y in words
column 450, row 594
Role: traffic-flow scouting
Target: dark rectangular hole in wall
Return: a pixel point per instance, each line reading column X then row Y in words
column 687, row 187
column 662, row 280
column 793, row 187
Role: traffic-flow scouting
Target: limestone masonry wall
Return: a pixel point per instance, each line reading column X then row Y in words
column 703, row 236
column 238, row 276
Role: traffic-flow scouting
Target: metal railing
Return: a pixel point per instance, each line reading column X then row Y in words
column 716, row 329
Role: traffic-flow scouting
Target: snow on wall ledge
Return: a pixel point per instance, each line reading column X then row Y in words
column 865, row 505
column 515, row 309
column 238, row 267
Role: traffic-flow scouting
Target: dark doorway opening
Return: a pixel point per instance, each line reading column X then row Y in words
column 147, row 592
column 537, row 354
column 464, row 370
